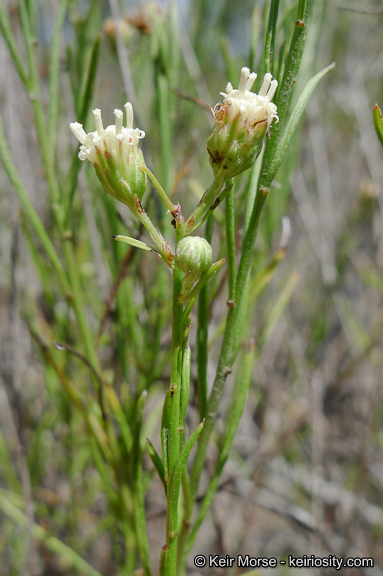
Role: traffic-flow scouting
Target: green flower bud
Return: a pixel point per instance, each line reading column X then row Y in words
column 242, row 120
column 193, row 256
column 115, row 154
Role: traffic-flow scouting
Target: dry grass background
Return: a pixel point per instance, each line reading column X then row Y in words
column 306, row 472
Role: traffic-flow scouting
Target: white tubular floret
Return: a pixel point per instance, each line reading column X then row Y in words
column 129, row 115
column 98, row 121
column 78, row 131
column 119, row 117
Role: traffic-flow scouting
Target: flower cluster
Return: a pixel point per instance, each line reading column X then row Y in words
column 115, row 154
column 242, row 120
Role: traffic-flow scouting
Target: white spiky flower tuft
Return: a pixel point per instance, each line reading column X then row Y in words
column 115, row 138
column 242, row 121
column 253, row 108
column 115, row 154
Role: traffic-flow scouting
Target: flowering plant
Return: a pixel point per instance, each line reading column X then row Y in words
column 111, row 411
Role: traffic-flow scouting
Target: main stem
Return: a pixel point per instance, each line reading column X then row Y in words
column 169, row 565
column 226, row 359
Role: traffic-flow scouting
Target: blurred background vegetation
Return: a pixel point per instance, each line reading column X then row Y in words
column 306, row 471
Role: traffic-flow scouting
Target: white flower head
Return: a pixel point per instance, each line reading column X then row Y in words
column 115, row 154
column 252, row 108
column 242, row 121
column 115, row 138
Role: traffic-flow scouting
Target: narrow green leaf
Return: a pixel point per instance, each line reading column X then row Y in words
column 134, row 242
column 230, row 243
column 164, row 559
column 292, row 66
column 84, row 102
column 202, row 335
column 378, row 122
column 175, row 481
column 157, row 462
column 270, row 36
column 165, row 428
column 9, row 38
column 185, row 382
column 292, row 124
column 205, row 277
column 165, row 451
column 54, row 71
column 303, row 8
column 82, row 109
column 281, row 61
column 290, row 73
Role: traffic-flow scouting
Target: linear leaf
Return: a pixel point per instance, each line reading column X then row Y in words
column 9, row 38
column 175, row 482
column 157, row 462
column 292, row 123
column 270, row 36
column 134, row 242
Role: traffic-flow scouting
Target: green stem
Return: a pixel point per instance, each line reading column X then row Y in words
column 173, row 421
column 187, row 497
column 185, row 388
column 248, row 243
column 175, row 397
column 205, row 204
column 165, row 127
column 9, row 38
column 82, row 108
column 164, row 197
column 188, row 511
column 163, row 247
column 54, row 69
column 270, row 36
column 219, row 199
column 291, row 70
column 226, row 359
column 230, row 244
column 202, row 336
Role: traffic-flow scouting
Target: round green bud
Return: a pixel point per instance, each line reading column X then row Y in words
column 193, row 256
